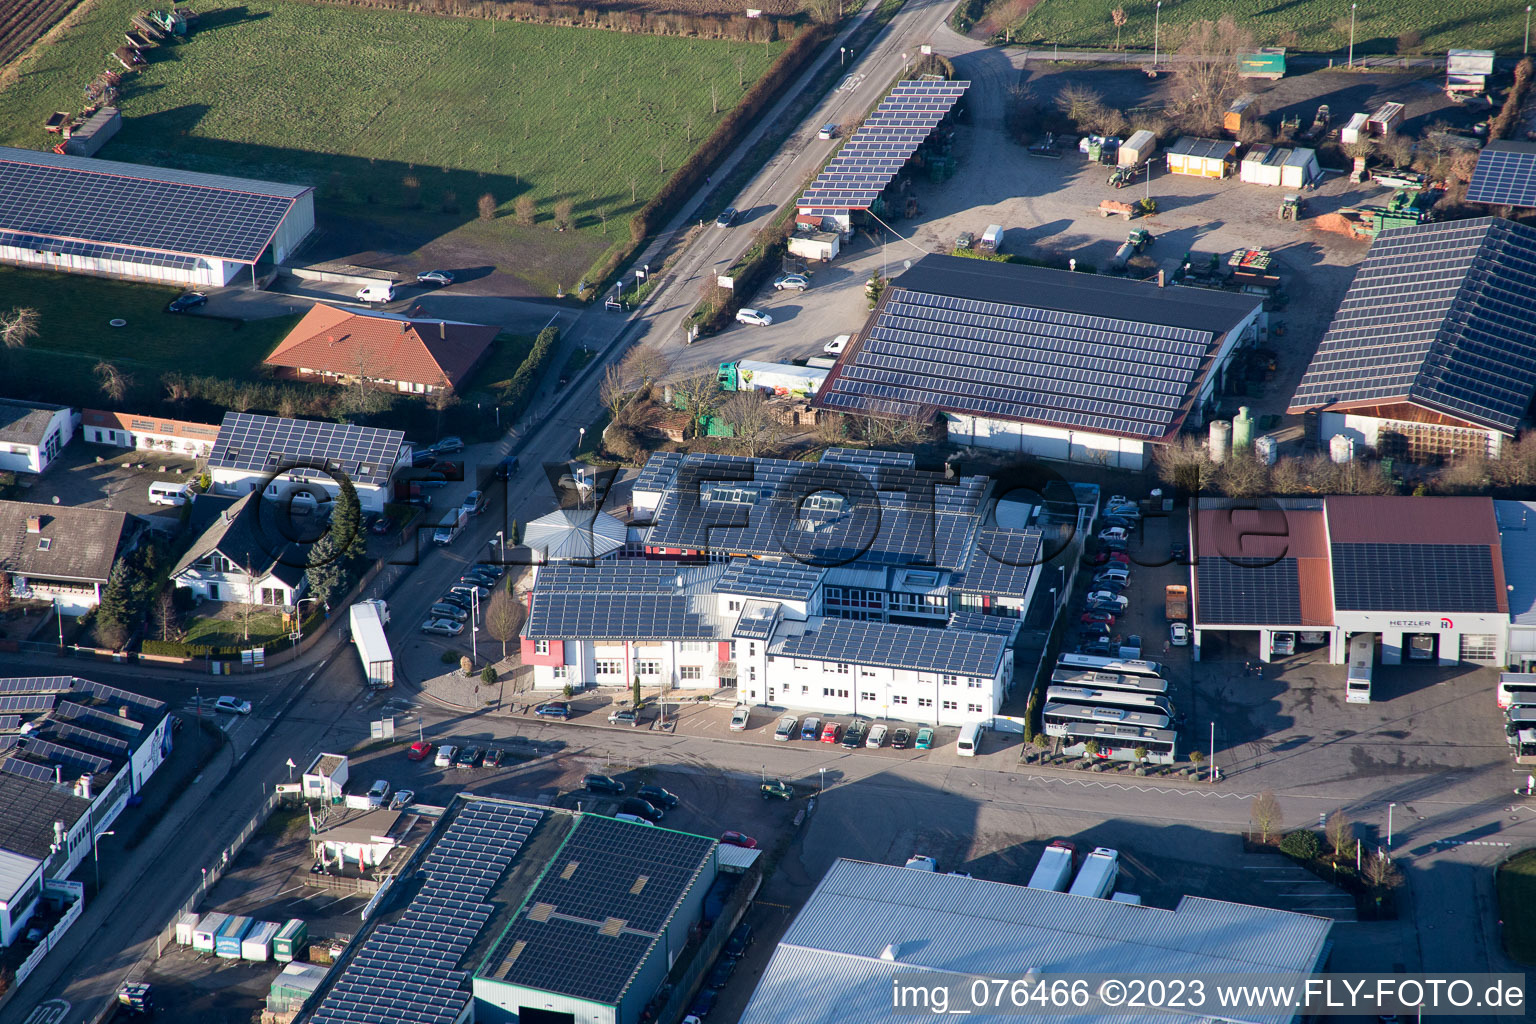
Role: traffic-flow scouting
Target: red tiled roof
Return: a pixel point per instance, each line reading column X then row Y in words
column 146, row 424
column 431, row 352
column 1406, row 520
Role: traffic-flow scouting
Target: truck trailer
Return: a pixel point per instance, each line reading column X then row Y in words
column 368, row 619
column 1097, row 877
column 780, row 378
column 1055, row 868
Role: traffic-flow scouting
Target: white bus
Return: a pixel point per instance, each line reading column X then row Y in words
column 1517, row 689
column 1362, row 656
column 1119, row 742
column 969, row 743
column 1109, row 699
column 1109, row 680
column 1058, row 718
column 1124, row 666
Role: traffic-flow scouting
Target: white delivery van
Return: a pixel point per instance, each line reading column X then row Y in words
column 451, row 526
column 969, row 742
column 170, row 492
column 383, row 291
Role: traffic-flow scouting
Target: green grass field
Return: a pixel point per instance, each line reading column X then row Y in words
column 405, row 120
column 1311, row 25
column 75, row 333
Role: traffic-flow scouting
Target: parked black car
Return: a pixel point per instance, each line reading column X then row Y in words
column 469, row 757
column 741, row 938
column 494, row 757
column 640, row 808
column 596, row 783
column 658, row 797
column 901, row 739
column 721, row 975
column 554, row 709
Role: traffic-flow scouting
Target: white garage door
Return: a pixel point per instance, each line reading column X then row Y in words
column 1479, row 647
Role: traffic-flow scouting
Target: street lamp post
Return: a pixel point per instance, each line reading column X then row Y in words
column 96, row 855
column 421, row 734
column 1389, row 825
column 842, row 55
column 1527, row 29
column 1157, row 23
column 1352, row 35
column 822, row 785
column 474, row 624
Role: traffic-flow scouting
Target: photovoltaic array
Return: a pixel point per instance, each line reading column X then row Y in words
column 881, row 146
column 260, row 444
column 1414, row 577
column 1012, row 360
column 1505, row 175
column 917, row 648
column 79, row 201
column 1238, row 594
column 407, row 972
column 784, row 579
column 599, row 908
column 1439, row 315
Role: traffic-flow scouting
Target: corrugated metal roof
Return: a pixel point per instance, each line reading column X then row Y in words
column 1517, row 535
column 1403, row 520
column 829, row 966
column 14, row 872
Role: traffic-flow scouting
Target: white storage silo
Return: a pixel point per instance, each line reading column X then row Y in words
column 1221, row 440
column 1341, row 448
column 1267, row 449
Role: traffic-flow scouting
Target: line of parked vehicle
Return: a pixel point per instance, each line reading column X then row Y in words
column 1112, row 576
column 856, row 734
column 448, row 616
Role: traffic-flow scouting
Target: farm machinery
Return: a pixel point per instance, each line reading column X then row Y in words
column 1135, row 242
column 1292, row 207
column 1115, row 208
column 1123, row 176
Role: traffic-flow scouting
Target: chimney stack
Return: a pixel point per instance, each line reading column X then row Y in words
column 34, row 524
column 122, row 711
column 1162, row 279
column 442, row 329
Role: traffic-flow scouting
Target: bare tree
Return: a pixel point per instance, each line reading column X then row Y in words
column 1242, row 475
column 114, row 382
column 1339, row 832
column 1206, row 78
column 440, row 401
column 1380, row 872
column 1118, row 17
column 525, row 210
column 645, row 364
column 564, row 210
column 1186, row 464
column 757, row 428
column 699, row 396
column 163, row 616
column 487, row 206
column 1265, row 813
column 831, row 428
column 503, row 618
column 612, row 392
column 19, row 326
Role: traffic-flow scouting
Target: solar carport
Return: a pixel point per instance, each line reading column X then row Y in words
column 88, row 216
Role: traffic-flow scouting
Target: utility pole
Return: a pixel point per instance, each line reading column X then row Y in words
column 1527, row 29
column 1157, row 23
column 1352, row 34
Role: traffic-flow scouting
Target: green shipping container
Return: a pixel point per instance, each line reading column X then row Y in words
column 290, row 941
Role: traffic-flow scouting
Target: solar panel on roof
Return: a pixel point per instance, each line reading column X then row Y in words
column 883, row 144
column 262, row 444
column 1504, row 176
column 36, row 684
column 1248, row 594
column 27, row 770
column 28, row 702
column 135, row 207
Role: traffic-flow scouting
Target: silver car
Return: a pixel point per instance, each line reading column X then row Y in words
column 442, row 627
column 452, row 613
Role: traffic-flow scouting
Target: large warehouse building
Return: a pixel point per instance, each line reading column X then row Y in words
column 1042, row 362
column 1433, row 350
column 868, row 926
column 88, row 216
column 1424, row 576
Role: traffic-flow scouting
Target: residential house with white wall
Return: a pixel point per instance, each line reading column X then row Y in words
column 32, row 434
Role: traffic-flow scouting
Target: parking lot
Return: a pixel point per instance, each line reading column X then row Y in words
column 1048, row 208
column 104, row 476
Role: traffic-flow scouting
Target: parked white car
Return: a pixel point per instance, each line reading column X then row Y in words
column 378, row 793
column 232, row 705
column 739, row 717
column 445, row 755
column 786, row 730
column 755, row 317
column 1178, row 634
column 836, row 345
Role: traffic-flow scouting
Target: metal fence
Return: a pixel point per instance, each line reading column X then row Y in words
column 213, row 872
column 686, row 985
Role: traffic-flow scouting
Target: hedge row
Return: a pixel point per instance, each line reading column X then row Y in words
column 656, row 23
column 685, row 184
column 176, row 649
column 519, row 393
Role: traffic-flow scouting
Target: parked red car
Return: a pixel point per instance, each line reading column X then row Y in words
column 1098, row 618
column 831, row 733
column 737, row 839
column 418, row 751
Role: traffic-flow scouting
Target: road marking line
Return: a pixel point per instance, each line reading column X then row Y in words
column 1468, row 842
